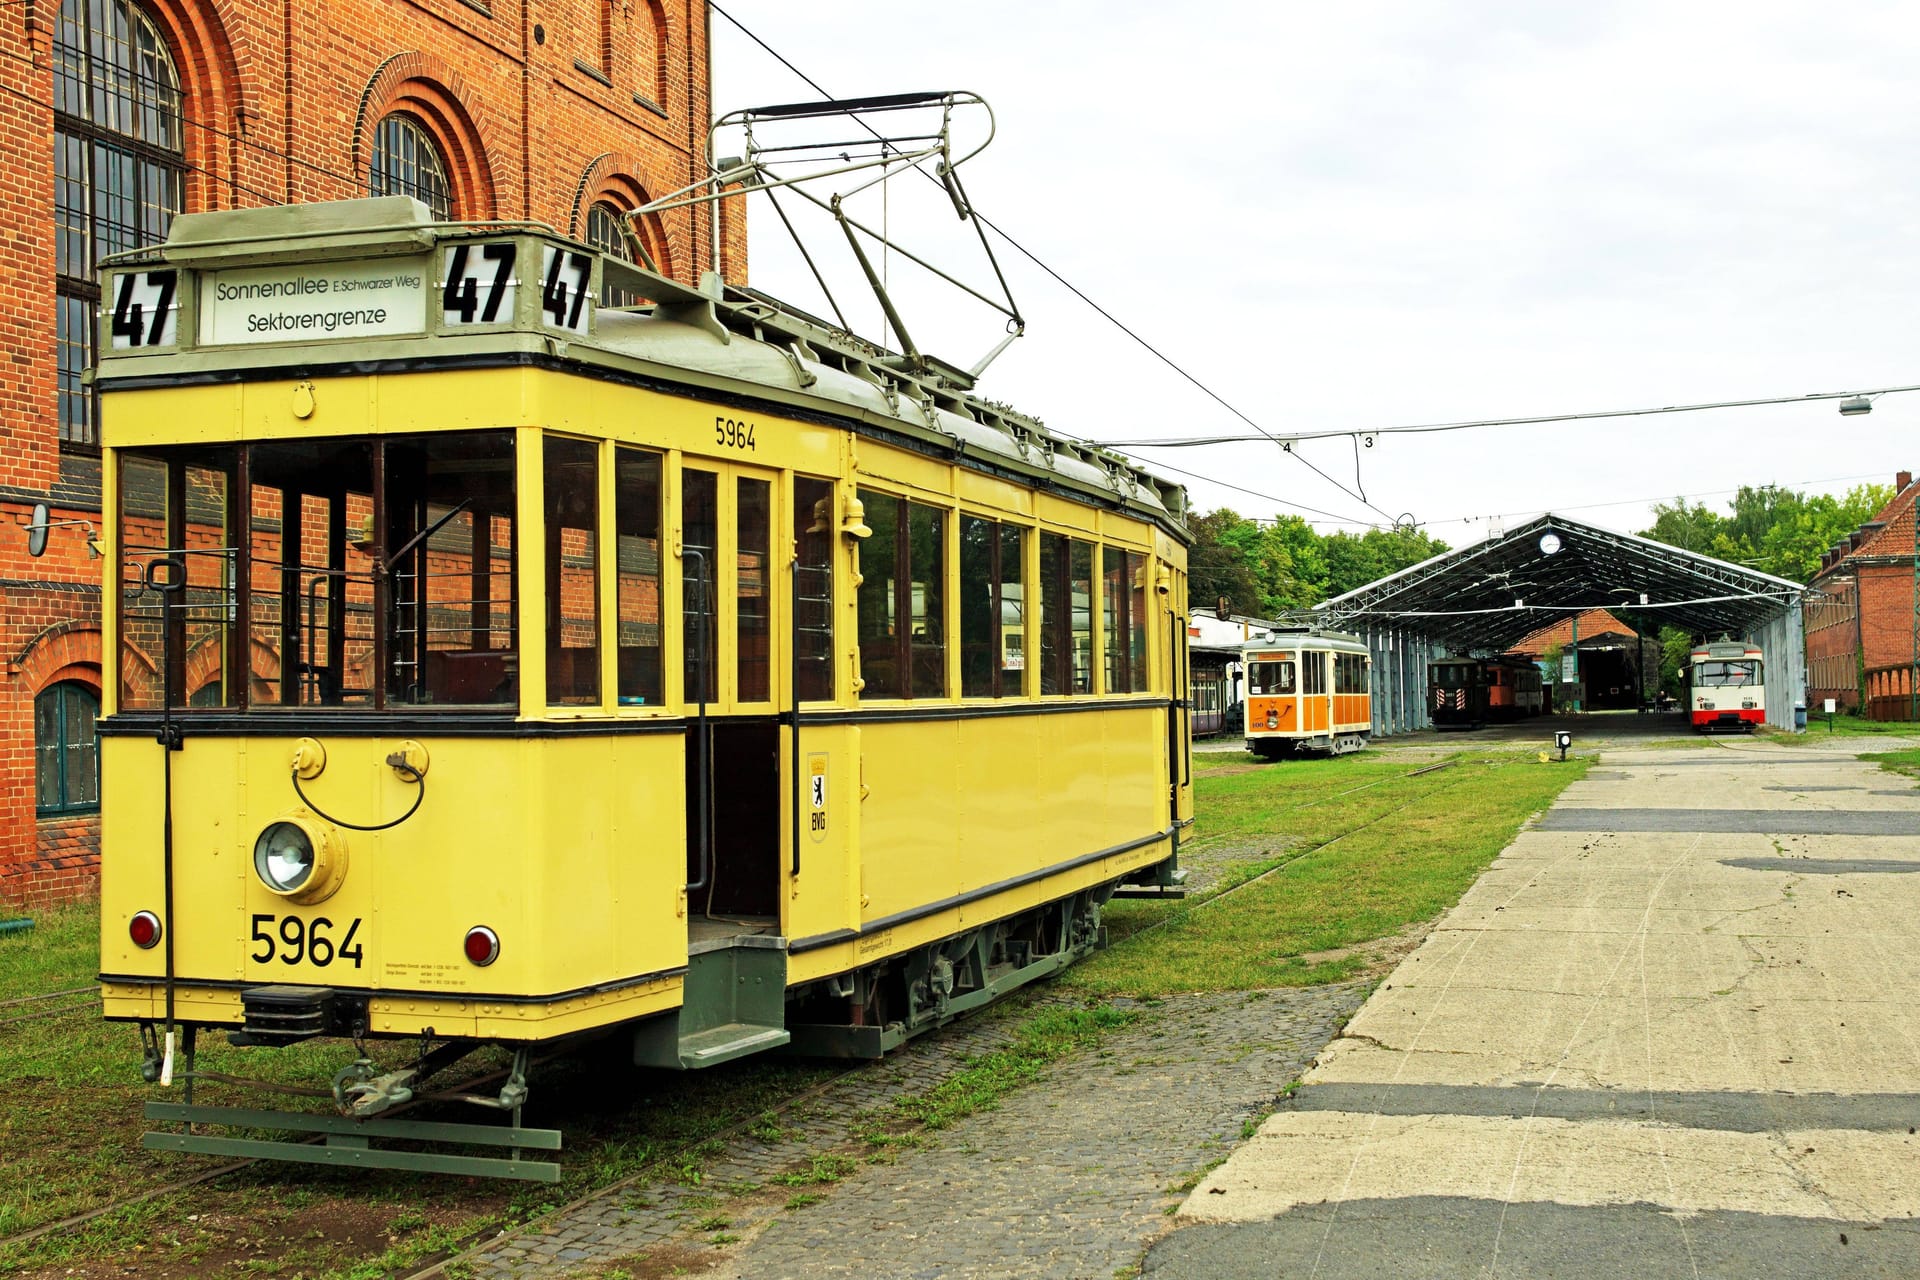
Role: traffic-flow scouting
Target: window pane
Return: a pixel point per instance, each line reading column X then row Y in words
column 814, row 532
column 81, row 746
column 1137, row 611
column 46, row 749
column 311, row 575
column 573, row 583
column 1115, row 618
column 1013, row 610
column 406, row 162
column 880, row 636
column 1055, row 621
column 448, row 535
column 207, row 606
column 142, row 536
column 1082, row 597
column 699, row 531
column 979, row 607
column 607, row 232
column 636, row 479
column 927, row 538
column 753, row 622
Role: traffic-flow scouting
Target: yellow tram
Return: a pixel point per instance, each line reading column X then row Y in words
column 498, row 668
column 1308, row 691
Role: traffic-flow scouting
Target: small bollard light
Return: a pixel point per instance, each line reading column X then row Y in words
column 1562, row 739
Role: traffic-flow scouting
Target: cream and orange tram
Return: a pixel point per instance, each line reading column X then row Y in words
column 1308, row 691
column 495, row 668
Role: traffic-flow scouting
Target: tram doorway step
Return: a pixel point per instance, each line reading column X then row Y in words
column 733, row 1003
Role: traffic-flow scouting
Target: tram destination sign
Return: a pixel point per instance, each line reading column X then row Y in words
column 376, row 299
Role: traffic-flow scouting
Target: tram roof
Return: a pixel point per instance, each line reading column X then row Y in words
column 1495, row 592
column 708, row 339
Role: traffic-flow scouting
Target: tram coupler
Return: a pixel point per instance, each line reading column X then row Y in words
column 151, row 1057
column 513, row 1094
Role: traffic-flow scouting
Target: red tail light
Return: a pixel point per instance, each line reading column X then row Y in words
column 144, row 929
column 482, row 945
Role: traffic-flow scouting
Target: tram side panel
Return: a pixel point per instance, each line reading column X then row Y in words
column 955, row 808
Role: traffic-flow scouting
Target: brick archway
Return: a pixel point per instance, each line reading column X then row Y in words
column 432, row 92
column 609, row 179
column 64, row 651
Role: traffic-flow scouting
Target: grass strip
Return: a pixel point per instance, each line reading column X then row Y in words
column 1366, row 867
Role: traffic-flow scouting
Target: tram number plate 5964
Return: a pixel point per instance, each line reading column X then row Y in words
column 292, row 940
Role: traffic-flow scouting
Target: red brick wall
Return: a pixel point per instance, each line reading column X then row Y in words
column 1886, row 614
column 281, row 100
column 1833, row 648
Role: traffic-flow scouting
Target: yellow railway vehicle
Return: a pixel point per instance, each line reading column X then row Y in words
column 499, row 668
column 1308, row 691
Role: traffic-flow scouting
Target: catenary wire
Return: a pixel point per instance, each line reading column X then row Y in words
column 1078, row 293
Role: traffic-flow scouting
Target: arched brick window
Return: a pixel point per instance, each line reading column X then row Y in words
column 118, row 163
column 407, row 163
column 66, row 750
column 608, row 233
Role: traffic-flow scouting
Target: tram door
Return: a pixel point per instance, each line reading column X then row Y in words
column 728, row 589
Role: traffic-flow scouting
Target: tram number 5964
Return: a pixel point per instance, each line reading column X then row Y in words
column 292, row 940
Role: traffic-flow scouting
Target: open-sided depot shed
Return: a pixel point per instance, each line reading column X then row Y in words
column 1487, row 596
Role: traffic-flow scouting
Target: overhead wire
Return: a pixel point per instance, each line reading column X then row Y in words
column 1070, row 287
column 1427, row 428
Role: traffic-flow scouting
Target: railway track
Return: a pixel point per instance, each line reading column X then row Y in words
column 667, row 1156
column 40, row 1007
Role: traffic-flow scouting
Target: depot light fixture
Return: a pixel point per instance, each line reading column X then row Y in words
column 1854, row 406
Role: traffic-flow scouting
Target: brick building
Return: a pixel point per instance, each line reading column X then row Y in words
column 120, row 113
column 1860, row 615
column 1616, row 667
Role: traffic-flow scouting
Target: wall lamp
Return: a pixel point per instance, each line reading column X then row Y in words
column 38, row 526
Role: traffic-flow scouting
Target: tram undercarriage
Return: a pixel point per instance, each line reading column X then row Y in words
column 735, row 1004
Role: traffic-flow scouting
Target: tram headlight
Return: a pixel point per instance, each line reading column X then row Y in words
column 300, row 858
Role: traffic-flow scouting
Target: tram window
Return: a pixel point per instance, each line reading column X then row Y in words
column 572, row 507
column 636, row 524
column 300, row 595
column 447, row 541
column 699, row 576
column 1054, row 618
column 1116, row 620
column 814, row 529
column 311, row 572
column 178, row 510
column 1313, row 673
column 1270, row 678
column 927, row 565
column 992, row 609
column 880, row 623
column 143, row 536
column 1721, row 675
column 1137, row 615
column 1082, row 596
column 979, row 601
column 753, row 623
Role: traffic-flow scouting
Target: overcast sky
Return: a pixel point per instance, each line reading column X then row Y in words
column 1367, row 215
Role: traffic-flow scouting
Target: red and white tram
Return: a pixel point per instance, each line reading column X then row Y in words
column 1727, row 686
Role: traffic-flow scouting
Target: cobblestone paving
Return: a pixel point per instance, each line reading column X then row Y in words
column 1068, row 1177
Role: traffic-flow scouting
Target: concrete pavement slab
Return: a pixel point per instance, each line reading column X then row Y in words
column 1688, row 993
